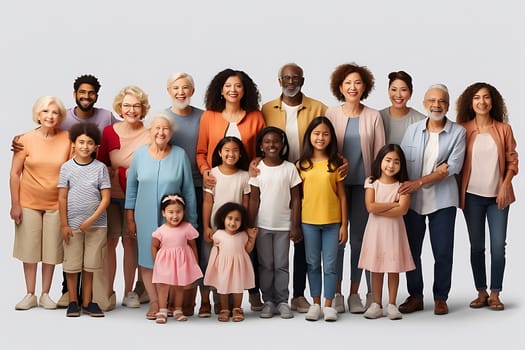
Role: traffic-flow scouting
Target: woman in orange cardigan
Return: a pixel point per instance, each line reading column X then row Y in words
column 232, row 109
column 491, row 161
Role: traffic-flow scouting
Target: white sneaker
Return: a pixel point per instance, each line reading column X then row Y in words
column 374, row 311
column 268, row 310
column 369, row 300
column 355, row 305
column 131, row 300
column 284, row 310
column 339, row 303
column 393, row 313
column 314, row 313
column 330, row 314
column 46, row 302
column 28, row 302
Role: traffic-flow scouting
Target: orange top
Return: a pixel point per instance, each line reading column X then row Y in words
column 213, row 128
column 43, row 159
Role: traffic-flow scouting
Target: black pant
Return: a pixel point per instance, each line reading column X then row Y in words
column 299, row 269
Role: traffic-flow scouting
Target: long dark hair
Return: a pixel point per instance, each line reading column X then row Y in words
column 465, row 112
column 334, row 161
column 402, row 174
column 214, row 100
column 243, row 161
column 269, row 129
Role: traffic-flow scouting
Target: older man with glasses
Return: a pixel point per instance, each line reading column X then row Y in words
column 434, row 148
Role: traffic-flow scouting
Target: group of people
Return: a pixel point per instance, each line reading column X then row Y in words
column 211, row 201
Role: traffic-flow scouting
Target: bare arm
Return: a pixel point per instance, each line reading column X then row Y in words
column 401, row 209
column 207, row 204
column 343, row 231
column 437, row 175
column 132, row 227
column 155, row 246
column 16, row 145
column 17, row 166
column 105, row 195
column 252, row 235
column 296, row 234
column 65, row 230
column 253, row 205
column 374, row 207
column 193, row 246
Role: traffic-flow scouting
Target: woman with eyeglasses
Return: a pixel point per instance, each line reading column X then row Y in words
column 399, row 116
column 119, row 141
column 360, row 136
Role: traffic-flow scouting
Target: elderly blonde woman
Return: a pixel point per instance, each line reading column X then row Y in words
column 34, row 199
column 119, row 141
column 157, row 168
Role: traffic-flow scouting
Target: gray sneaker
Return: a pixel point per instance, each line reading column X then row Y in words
column 300, row 304
column 284, row 310
column 268, row 310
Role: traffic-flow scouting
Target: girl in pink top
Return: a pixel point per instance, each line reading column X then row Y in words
column 175, row 254
column 229, row 269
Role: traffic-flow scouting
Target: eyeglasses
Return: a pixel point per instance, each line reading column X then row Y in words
column 434, row 101
column 135, row 106
column 292, row 78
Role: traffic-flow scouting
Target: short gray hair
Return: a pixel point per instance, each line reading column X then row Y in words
column 441, row 87
column 174, row 77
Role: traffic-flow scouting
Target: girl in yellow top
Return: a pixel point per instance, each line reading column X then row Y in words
column 324, row 213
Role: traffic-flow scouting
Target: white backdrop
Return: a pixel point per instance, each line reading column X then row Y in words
column 44, row 46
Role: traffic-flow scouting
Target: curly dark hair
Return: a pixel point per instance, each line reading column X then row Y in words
column 305, row 161
column 465, row 112
column 89, row 129
column 227, row 208
column 402, row 175
column 87, row 79
column 284, row 151
column 341, row 72
column 403, row 76
column 244, row 161
column 214, row 100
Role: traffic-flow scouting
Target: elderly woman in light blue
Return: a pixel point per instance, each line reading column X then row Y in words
column 156, row 169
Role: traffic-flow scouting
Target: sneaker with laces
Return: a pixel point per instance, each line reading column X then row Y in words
column 339, row 303
column 63, row 302
column 268, row 310
column 330, row 314
column 46, row 302
column 73, row 310
column 93, row 310
column 300, row 304
column 28, row 302
column 140, row 290
column 393, row 313
column 314, row 313
column 255, row 302
column 374, row 311
column 131, row 300
column 284, row 310
column 355, row 305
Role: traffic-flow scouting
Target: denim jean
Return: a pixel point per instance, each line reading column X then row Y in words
column 321, row 242
column 441, row 225
column 477, row 211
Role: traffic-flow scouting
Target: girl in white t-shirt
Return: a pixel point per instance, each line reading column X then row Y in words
column 230, row 164
column 274, row 208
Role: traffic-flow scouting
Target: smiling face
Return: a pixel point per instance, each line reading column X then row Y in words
column 233, row 90
column 320, row 137
column 160, row 131
column 352, row 87
column 85, row 97
column 391, row 164
column 49, row 116
column 131, row 109
column 436, row 104
column 181, row 91
column 482, row 102
column 84, row 147
column 272, row 145
column 291, row 81
column 174, row 214
column 399, row 93
column 232, row 222
column 230, row 154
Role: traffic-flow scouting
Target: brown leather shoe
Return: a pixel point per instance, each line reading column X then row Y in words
column 410, row 305
column 440, row 307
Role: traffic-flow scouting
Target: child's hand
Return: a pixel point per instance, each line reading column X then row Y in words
column 343, row 235
column 208, row 234
column 84, row 226
column 66, row 233
column 252, row 232
column 253, row 170
column 296, row 235
column 208, row 179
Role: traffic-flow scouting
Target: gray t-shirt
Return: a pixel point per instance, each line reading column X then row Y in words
column 101, row 117
column 395, row 127
column 185, row 136
column 84, row 182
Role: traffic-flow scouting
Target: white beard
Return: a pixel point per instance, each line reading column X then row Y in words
column 292, row 93
column 181, row 105
column 436, row 117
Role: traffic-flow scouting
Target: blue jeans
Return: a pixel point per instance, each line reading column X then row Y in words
column 321, row 241
column 441, row 229
column 478, row 210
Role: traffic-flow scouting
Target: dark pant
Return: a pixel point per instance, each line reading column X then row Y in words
column 299, row 269
column 441, row 229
